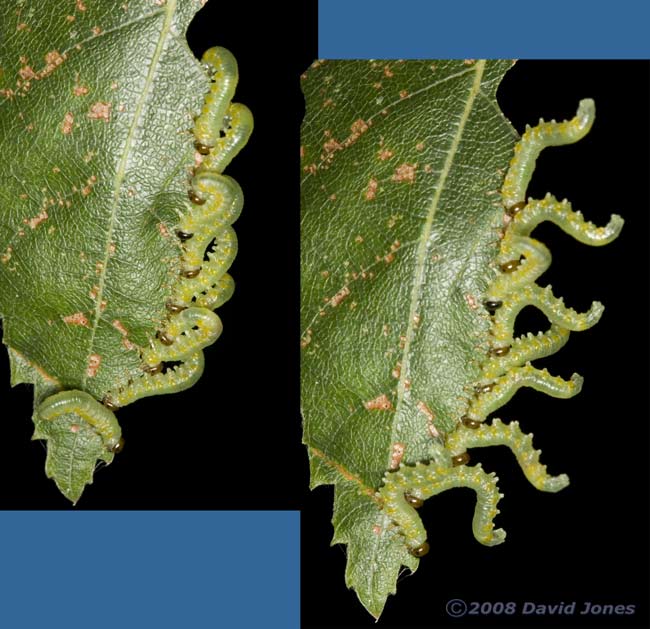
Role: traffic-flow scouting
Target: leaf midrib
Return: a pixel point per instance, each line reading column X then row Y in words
column 170, row 10
column 419, row 270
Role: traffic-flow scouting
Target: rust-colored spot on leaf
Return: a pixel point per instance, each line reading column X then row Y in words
column 80, row 90
column 471, row 301
column 100, row 111
column 88, row 188
column 94, row 360
column 359, row 126
column 339, row 297
column 428, row 413
column 385, row 154
column 405, row 173
column 77, row 318
column 306, row 339
column 27, row 73
column 380, row 403
column 396, row 455
column 371, row 190
column 37, row 220
column 332, row 145
column 68, row 123
column 53, row 60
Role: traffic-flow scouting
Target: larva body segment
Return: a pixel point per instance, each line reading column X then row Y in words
column 222, row 66
column 534, row 141
column 521, row 260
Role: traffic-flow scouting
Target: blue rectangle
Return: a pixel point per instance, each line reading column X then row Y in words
column 433, row 29
column 136, row 569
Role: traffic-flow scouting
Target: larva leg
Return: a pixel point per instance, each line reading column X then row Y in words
column 89, row 410
column 425, row 480
column 510, row 435
column 495, row 394
column 524, row 349
column 551, row 306
column 571, row 222
column 176, row 379
column 532, row 143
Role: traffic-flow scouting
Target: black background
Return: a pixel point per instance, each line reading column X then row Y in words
column 590, row 541
column 233, row 440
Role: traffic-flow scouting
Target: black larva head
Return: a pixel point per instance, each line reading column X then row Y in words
column 484, row 388
column 204, row 149
column 195, row 198
column 414, row 501
column 164, row 338
column 183, row 236
column 191, row 273
column 510, row 266
column 501, row 351
column 420, row 551
column 117, row 447
column 174, row 308
column 492, row 305
column 460, row 459
column 468, row 422
column 513, row 210
column 153, row 369
column 108, row 404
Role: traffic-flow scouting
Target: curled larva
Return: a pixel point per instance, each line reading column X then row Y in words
column 89, row 410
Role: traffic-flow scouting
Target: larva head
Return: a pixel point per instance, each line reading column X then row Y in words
column 421, row 550
column 117, row 447
column 414, row 501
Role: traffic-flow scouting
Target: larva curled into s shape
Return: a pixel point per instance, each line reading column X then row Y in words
column 121, row 259
column 507, row 365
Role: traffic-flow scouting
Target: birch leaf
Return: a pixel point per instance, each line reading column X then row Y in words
column 400, row 163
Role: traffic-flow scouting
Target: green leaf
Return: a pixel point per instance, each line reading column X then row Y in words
column 73, row 449
column 401, row 163
column 96, row 109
